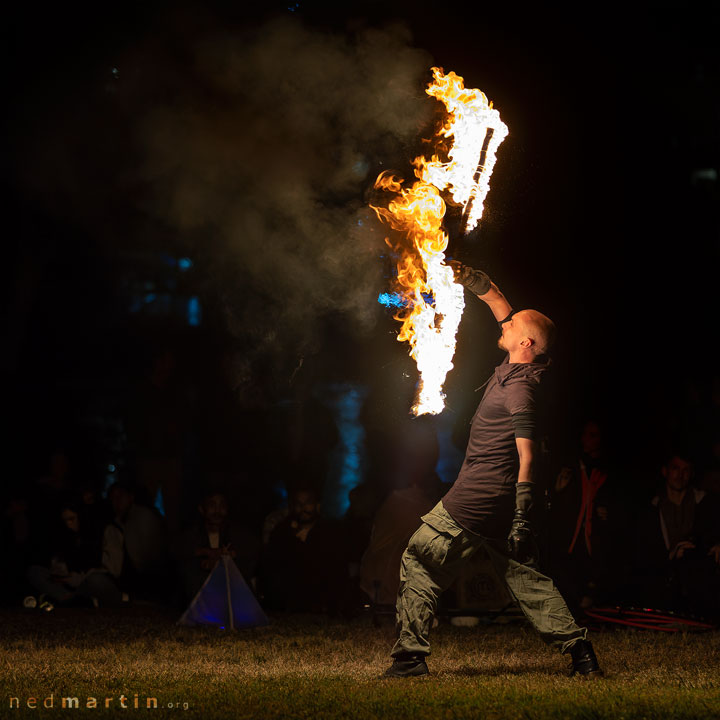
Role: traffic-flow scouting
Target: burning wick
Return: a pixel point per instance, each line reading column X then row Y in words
column 477, row 131
column 467, row 212
column 430, row 302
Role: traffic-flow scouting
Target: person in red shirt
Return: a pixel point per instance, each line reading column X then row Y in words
column 588, row 523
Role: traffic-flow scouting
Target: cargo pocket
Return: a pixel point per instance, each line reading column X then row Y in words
column 431, row 545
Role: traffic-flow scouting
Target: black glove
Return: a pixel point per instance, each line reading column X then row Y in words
column 522, row 546
column 474, row 280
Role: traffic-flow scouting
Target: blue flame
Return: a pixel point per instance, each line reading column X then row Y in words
column 391, row 300
column 396, row 300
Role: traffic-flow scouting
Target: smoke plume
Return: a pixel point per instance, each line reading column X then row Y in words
column 249, row 149
column 261, row 156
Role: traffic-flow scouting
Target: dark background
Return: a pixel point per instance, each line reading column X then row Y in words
column 597, row 216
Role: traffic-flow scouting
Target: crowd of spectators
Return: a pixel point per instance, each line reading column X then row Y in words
column 608, row 544
column 606, row 538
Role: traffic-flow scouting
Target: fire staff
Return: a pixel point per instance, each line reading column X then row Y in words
column 490, row 502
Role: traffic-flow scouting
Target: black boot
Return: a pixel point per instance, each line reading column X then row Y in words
column 584, row 662
column 407, row 666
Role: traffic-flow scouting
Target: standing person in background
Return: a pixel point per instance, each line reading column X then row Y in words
column 394, row 523
column 586, row 523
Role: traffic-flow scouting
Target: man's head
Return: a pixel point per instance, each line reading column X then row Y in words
column 70, row 518
column 527, row 331
column 591, row 439
column 121, row 498
column 214, row 509
column 677, row 471
column 304, row 506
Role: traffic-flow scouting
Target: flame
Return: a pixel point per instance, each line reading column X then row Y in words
column 470, row 120
column 433, row 302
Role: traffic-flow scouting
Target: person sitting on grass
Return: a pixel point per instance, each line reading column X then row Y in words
column 135, row 547
column 73, row 575
column 677, row 558
column 211, row 537
column 301, row 570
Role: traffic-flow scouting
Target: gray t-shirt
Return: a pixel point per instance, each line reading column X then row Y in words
column 482, row 500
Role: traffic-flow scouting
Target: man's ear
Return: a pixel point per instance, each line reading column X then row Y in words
column 527, row 342
column 664, row 472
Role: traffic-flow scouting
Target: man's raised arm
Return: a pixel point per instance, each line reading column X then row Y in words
column 476, row 281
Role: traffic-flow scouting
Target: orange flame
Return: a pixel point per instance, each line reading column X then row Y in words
column 417, row 212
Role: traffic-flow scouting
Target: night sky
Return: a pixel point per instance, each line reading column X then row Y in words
column 597, row 215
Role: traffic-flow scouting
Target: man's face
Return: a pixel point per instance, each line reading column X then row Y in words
column 70, row 518
column 512, row 333
column 591, row 439
column 121, row 501
column 214, row 510
column 677, row 473
column 305, row 508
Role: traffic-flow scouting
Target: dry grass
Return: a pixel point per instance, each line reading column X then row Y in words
column 317, row 668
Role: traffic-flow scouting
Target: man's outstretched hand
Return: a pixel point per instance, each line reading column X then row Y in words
column 474, row 280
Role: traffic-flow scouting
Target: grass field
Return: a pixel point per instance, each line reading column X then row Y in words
column 318, row 668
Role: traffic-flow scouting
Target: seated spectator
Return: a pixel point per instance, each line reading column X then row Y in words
column 585, row 523
column 73, row 574
column 395, row 521
column 300, row 570
column 272, row 520
column 213, row 535
column 134, row 547
column 677, row 556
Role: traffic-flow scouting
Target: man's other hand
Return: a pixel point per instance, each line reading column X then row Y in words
column 521, row 541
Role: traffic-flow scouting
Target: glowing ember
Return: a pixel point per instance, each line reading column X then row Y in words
column 417, row 213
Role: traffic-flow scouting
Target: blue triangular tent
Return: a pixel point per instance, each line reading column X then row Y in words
column 224, row 600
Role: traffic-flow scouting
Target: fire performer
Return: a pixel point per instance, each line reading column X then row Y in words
column 489, row 504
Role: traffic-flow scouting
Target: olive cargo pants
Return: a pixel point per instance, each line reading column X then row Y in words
column 432, row 561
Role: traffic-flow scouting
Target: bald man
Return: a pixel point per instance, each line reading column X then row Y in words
column 489, row 504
